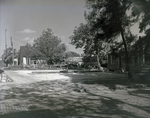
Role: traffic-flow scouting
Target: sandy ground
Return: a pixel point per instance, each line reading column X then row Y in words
column 71, row 95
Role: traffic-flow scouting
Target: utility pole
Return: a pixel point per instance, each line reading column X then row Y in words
column 12, row 50
column 5, row 40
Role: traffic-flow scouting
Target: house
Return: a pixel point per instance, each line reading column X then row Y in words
column 139, row 56
column 74, row 60
column 15, row 61
column 117, row 62
column 114, row 61
column 24, row 59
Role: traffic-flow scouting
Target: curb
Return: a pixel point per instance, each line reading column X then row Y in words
column 64, row 71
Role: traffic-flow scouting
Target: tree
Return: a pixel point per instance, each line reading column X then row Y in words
column 71, row 54
column 85, row 37
column 32, row 52
column 50, row 47
column 7, row 56
column 141, row 7
column 106, row 21
column 142, row 10
column 113, row 19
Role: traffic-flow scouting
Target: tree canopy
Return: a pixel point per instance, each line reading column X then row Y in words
column 32, row 52
column 50, row 47
column 142, row 10
column 8, row 55
column 71, row 54
column 106, row 21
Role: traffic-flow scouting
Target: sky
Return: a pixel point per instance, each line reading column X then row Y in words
column 26, row 19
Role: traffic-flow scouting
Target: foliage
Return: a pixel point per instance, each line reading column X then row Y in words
column 7, row 56
column 15, row 53
column 142, row 9
column 118, row 47
column 33, row 53
column 89, row 60
column 106, row 21
column 71, row 54
column 115, row 22
column 50, row 47
column 84, row 36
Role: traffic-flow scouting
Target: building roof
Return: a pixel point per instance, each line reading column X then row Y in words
column 23, row 51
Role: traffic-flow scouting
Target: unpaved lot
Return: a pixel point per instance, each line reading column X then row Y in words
column 72, row 95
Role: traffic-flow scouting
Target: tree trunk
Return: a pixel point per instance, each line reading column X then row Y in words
column 130, row 76
column 125, row 46
column 100, row 68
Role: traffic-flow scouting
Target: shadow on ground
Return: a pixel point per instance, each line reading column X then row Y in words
column 31, row 114
column 111, row 80
column 61, row 99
